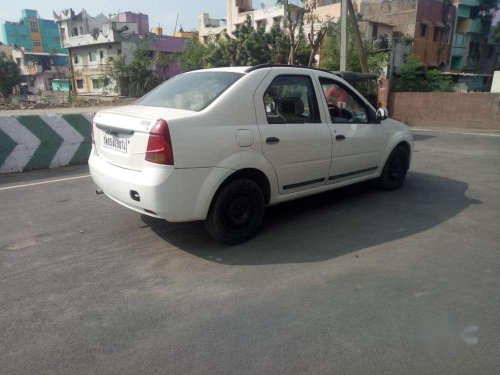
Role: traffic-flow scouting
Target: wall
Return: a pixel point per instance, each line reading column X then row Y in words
column 142, row 21
column 447, row 110
column 400, row 13
column 44, row 141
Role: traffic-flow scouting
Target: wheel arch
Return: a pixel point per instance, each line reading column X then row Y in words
column 398, row 139
column 253, row 174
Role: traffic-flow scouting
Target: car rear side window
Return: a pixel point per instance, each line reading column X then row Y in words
column 191, row 91
column 291, row 99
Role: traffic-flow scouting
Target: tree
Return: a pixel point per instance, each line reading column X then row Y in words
column 279, row 44
column 9, row 75
column 193, row 56
column 413, row 79
column 248, row 46
column 496, row 33
column 294, row 23
column 317, row 29
column 115, row 76
column 330, row 52
column 138, row 77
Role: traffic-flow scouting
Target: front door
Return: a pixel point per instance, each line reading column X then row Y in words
column 295, row 139
column 358, row 141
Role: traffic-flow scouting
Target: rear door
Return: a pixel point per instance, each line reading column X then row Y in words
column 358, row 140
column 295, row 138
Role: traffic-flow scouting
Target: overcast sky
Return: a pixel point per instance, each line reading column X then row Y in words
column 163, row 12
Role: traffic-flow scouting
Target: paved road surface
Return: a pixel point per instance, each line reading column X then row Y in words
column 345, row 282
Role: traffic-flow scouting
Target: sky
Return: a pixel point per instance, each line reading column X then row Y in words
column 160, row 12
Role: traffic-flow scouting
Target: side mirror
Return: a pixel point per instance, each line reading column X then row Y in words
column 382, row 114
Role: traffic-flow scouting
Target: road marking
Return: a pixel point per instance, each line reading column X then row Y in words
column 71, row 140
column 456, row 132
column 27, row 145
column 44, row 182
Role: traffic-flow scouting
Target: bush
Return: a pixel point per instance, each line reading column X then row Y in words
column 413, row 79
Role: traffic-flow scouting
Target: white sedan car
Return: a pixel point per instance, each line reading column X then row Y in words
column 222, row 144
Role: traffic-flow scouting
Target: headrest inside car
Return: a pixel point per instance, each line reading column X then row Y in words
column 292, row 106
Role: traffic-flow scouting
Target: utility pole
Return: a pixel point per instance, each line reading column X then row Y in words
column 343, row 36
column 176, row 20
column 359, row 42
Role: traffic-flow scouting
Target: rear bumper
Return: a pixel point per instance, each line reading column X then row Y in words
column 165, row 192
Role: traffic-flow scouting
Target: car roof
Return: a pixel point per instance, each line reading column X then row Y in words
column 249, row 69
column 231, row 69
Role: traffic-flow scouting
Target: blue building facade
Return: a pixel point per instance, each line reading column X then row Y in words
column 33, row 33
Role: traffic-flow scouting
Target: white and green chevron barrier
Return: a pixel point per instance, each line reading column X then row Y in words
column 45, row 141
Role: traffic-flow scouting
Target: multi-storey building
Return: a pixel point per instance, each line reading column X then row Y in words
column 428, row 22
column 41, row 69
column 238, row 11
column 469, row 39
column 32, row 33
column 93, row 42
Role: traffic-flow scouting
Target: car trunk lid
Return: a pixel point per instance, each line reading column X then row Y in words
column 121, row 134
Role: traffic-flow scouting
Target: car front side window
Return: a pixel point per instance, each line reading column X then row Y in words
column 291, row 99
column 343, row 106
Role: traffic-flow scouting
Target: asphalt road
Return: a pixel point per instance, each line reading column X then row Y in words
column 348, row 282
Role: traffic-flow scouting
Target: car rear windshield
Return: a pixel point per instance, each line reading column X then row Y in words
column 191, row 91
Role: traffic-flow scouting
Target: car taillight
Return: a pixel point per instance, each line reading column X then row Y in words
column 160, row 145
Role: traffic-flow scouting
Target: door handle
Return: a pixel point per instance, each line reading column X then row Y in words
column 340, row 137
column 272, row 140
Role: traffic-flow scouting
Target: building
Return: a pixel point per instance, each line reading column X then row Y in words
column 490, row 58
column 428, row 22
column 32, row 33
column 40, row 69
column 185, row 34
column 238, row 11
column 6, row 49
column 468, row 36
column 94, row 41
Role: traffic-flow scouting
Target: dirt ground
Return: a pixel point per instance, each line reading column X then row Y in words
column 76, row 102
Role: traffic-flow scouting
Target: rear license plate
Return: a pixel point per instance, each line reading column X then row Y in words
column 115, row 143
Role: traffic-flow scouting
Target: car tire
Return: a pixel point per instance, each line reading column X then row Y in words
column 237, row 212
column 395, row 169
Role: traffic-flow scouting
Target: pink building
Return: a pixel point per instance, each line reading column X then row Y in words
column 142, row 21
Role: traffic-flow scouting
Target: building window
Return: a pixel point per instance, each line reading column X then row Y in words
column 79, row 83
column 490, row 50
column 76, row 59
column 97, row 83
column 34, row 26
column 119, row 52
column 36, row 43
column 92, row 56
column 437, row 34
column 423, row 30
column 81, row 30
column 261, row 23
column 75, row 31
column 101, row 55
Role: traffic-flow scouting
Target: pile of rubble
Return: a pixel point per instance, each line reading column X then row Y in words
column 75, row 102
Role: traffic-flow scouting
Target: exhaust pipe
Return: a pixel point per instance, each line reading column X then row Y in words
column 99, row 191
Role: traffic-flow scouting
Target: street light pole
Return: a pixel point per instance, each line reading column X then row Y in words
column 343, row 36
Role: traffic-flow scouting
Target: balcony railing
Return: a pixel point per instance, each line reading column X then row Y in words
column 471, row 3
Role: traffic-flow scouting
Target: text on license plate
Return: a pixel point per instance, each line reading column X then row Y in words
column 115, row 143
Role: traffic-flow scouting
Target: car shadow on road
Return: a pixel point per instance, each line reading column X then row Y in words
column 330, row 224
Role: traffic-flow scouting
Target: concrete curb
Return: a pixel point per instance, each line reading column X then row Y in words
column 44, row 141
